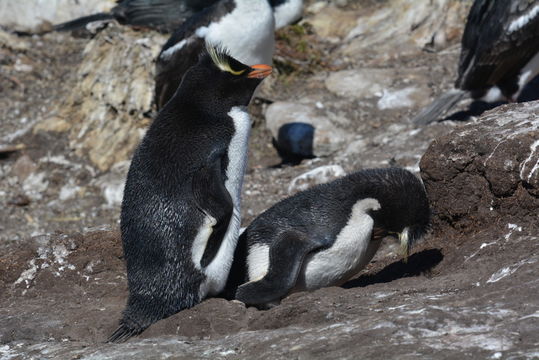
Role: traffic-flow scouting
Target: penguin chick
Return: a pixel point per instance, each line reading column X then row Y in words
column 324, row 235
column 499, row 55
column 244, row 27
column 181, row 207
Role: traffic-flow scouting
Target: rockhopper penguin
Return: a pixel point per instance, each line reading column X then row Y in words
column 181, row 207
column 244, row 27
column 499, row 55
column 324, row 235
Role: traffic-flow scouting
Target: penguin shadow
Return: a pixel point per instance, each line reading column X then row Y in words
column 529, row 93
column 417, row 264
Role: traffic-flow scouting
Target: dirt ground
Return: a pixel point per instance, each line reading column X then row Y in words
column 462, row 294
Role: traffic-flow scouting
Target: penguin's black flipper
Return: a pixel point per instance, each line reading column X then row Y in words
column 286, row 258
column 213, row 199
column 162, row 15
column 82, row 21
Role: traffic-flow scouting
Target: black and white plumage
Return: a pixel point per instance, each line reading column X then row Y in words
column 324, row 235
column 499, row 55
column 244, row 27
column 162, row 15
column 181, row 207
column 286, row 12
column 168, row 15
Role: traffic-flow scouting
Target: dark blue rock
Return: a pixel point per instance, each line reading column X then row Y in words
column 295, row 142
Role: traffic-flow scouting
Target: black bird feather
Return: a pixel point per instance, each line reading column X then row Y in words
column 500, row 38
column 161, row 15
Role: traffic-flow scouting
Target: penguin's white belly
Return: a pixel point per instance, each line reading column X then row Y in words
column 217, row 270
column 352, row 250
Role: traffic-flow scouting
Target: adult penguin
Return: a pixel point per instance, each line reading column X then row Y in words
column 325, row 235
column 499, row 55
column 181, row 206
column 244, row 27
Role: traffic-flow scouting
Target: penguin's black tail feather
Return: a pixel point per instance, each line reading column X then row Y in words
column 439, row 107
column 82, row 21
column 122, row 334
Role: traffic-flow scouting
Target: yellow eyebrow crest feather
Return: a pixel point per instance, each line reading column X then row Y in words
column 219, row 59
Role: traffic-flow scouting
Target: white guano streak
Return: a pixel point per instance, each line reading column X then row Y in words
column 533, row 149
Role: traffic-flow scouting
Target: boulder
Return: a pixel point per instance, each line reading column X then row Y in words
column 404, row 27
column 105, row 114
column 486, row 170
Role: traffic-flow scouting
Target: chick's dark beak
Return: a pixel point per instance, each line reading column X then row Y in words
column 259, row 71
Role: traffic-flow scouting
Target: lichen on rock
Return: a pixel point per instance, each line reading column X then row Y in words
column 105, row 113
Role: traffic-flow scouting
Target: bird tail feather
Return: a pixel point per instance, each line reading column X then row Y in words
column 122, row 333
column 439, row 107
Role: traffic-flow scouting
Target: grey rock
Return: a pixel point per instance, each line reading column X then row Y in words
column 405, row 27
column 23, row 167
column 365, row 83
column 35, row 184
column 324, row 24
column 401, row 98
column 319, row 175
column 360, row 83
column 105, row 113
column 21, row 15
column 113, row 182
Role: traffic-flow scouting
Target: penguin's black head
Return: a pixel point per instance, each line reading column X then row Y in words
column 405, row 210
column 220, row 81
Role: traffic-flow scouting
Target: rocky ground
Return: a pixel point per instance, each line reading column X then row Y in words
column 73, row 108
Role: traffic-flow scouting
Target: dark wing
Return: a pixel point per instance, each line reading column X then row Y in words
column 163, row 15
column 286, row 257
column 212, row 198
column 500, row 37
column 182, row 49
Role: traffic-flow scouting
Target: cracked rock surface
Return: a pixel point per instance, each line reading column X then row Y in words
column 487, row 169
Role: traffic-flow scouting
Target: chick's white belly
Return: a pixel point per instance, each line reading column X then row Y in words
column 352, row 250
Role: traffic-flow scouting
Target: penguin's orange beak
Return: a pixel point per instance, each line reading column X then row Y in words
column 259, row 71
